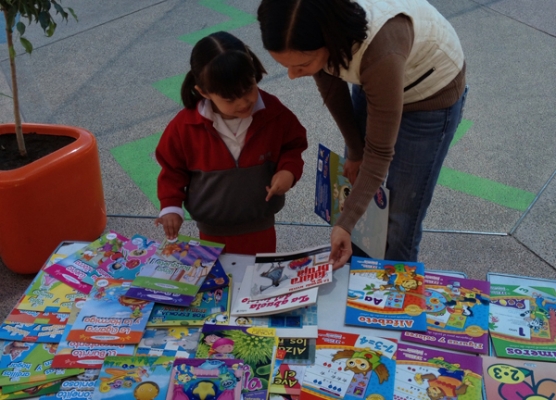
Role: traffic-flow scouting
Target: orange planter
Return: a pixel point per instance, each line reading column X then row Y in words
column 56, row 198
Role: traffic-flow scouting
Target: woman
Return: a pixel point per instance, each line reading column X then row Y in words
column 407, row 68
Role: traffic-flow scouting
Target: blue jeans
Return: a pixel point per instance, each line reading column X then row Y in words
column 423, row 141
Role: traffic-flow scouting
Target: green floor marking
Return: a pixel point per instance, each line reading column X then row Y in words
column 238, row 19
column 171, row 87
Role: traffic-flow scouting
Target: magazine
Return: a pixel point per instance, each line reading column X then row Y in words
column 203, row 378
column 244, row 305
column 176, row 272
column 80, row 269
column 424, row 373
column 281, row 273
column 175, row 341
column 522, row 320
column 351, row 367
column 332, row 189
column 511, row 379
column 133, row 377
column 256, row 346
column 386, row 294
column 211, row 307
column 108, row 316
column 457, row 314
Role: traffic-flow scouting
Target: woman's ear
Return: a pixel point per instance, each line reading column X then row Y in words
column 205, row 95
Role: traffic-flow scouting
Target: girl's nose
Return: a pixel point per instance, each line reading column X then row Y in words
column 293, row 73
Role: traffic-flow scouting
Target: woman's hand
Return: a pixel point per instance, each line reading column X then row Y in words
column 340, row 241
column 351, row 169
column 171, row 223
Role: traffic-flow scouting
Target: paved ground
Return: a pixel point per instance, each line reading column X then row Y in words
column 117, row 73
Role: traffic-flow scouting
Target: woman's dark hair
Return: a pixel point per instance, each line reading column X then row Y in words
column 305, row 25
column 220, row 64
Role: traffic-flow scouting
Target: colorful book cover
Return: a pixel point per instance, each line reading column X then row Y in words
column 203, row 379
column 126, row 263
column 457, row 314
column 109, row 316
column 171, row 341
column 37, row 317
column 216, row 278
column 80, row 269
column 386, row 294
column 511, row 379
column 31, row 332
column 72, row 354
column 24, row 362
column 244, row 305
column 286, row 378
column 281, row 273
column 298, row 323
column 176, row 272
column 522, row 319
column 332, row 190
column 424, row 373
column 256, row 346
column 299, row 351
column 134, row 378
column 351, row 367
column 211, row 307
column 45, row 388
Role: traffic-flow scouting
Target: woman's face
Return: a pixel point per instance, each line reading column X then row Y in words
column 302, row 63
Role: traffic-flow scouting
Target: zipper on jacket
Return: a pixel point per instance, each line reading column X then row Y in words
column 418, row 81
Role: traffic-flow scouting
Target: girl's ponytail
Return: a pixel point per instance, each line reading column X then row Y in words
column 189, row 95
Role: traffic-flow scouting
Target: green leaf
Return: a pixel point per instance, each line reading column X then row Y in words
column 60, row 10
column 44, row 19
column 20, row 28
column 26, row 45
column 51, row 28
column 72, row 13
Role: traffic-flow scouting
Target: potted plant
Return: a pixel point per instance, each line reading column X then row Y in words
column 57, row 195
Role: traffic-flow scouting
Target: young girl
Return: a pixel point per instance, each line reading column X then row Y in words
column 231, row 155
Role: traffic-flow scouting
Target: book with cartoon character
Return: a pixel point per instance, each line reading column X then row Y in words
column 109, row 316
column 178, row 341
column 212, row 306
column 80, row 269
column 332, row 189
column 256, row 346
column 176, row 272
column 203, row 378
column 424, row 373
column 386, row 294
column 216, row 278
column 522, row 319
column 350, row 366
column 134, row 377
column 457, row 314
column 276, row 274
column 511, row 379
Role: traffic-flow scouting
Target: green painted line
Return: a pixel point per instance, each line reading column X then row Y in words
column 171, row 87
column 238, row 19
column 463, row 127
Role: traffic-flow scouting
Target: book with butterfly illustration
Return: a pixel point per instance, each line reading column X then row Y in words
column 386, row 294
column 457, row 314
column 277, row 274
column 350, row 366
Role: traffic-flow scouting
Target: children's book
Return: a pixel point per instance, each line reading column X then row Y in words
column 298, row 323
column 204, row 379
column 424, row 373
column 244, row 305
column 281, row 273
column 386, row 294
column 170, row 341
column 126, row 263
column 108, row 316
column 37, row 317
column 79, row 387
column 522, row 318
column 24, row 362
column 35, row 390
column 31, row 332
column 134, row 378
column 216, row 278
column 256, row 346
column 511, row 379
column 332, row 190
column 176, row 272
column 211, row 307
column 350, row 366
column 298, row 351
column 457, row 314
column 72, row 354
column 286, row 378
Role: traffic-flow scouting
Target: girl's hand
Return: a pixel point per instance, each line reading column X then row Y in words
column 171, row 223
column 340, row 241
column 351, row 169
column 281, row 182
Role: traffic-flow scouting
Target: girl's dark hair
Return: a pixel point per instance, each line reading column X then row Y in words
column 305, row 25
column 220, row 64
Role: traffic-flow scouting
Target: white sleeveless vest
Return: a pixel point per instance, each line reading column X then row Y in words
column 435, row 58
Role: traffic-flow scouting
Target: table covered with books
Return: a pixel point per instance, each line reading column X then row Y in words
column 131, row 318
